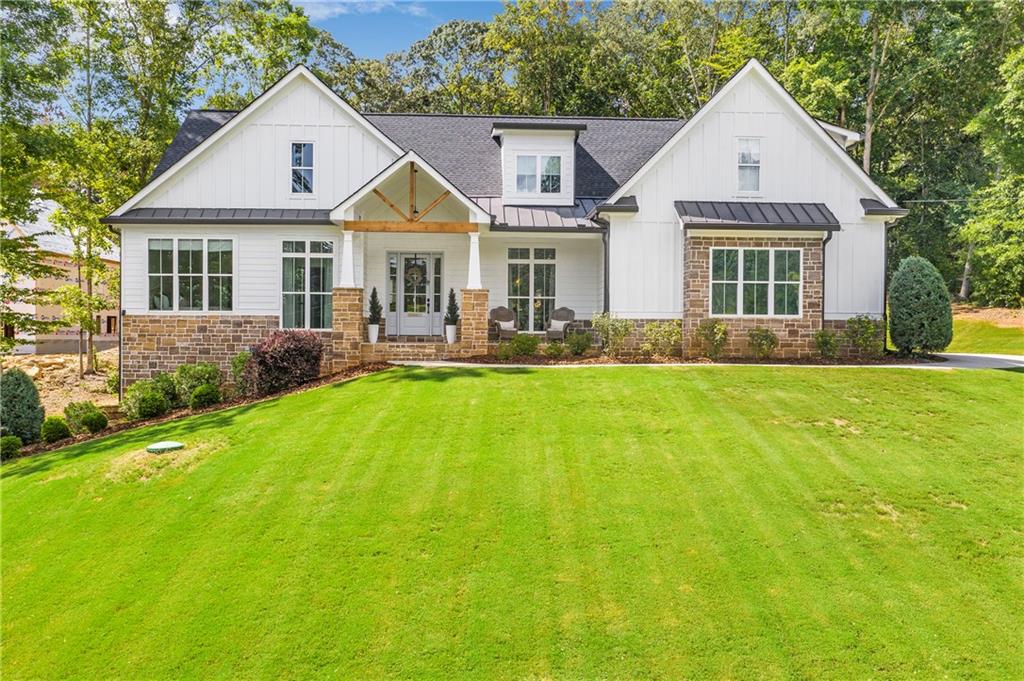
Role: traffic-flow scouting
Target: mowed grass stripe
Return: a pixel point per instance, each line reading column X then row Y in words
column 680, row 522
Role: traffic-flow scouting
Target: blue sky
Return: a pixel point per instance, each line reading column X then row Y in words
column 373, row 28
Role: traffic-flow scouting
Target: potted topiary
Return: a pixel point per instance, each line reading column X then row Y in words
column 451, row 317
column 373, row 326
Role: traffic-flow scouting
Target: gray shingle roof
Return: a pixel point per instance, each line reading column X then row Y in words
column 756, row 215
column 462, row 149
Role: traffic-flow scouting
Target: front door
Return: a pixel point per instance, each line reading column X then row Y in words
column 419, row 294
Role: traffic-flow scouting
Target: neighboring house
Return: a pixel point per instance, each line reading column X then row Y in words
column 58, row 249
column 286, row 213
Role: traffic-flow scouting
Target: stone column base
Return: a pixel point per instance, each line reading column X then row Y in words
column 473, row 324
column 347, row 329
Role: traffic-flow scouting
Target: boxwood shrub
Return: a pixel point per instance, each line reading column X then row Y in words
column 283, row 360
column 920, row 314
column 10, row 445
column 54, row 429
column 762, row 342
column 85, row 417
column 20, row 411
column 144, row 400
column 188, row 377
column 579, row 342
column 167, row 385
column 205, row 395
column 713, row 334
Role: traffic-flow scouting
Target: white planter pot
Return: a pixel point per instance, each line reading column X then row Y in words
column 449, row 333
column 373, row 330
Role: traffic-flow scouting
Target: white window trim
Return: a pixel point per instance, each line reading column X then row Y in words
column 292, row 193
column 205, row 238
column 759, row 192
column 771, row 283
column 531, row 261
column 538, row 167
column 281, row 255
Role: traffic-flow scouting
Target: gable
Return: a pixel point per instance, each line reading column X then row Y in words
column 245, row 162
column 800, row 162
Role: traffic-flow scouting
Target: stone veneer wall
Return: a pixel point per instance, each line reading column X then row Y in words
column 154, row 343
column 796, row 335
column 349, row 328
column 845, row 349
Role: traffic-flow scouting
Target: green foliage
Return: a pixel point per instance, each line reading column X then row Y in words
column 188, row 377
column 376, row 309
column 762, row 342
column 20, row 261
column 524, row 345
column 863, row 336
column 451, row 315
column 205, row 395
column 612, row 331
column 95, row 421
column 144, row 400
column 826, row 343
column 238, row 364
column 555, row 349
column 504, row 351
column 920, row 314
column 113, row 381
column 995, row 231
column 166, row 384
column 662, row 338
column 10, row 445
column 20, row 411
column 54, row 429
column 79, row 416
column 713, row 334
column 578, row 342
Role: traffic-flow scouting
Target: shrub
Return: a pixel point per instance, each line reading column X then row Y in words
column 504, row 351
column 166, row 384
column 524, row 345
column 10, row 445
column 662, row 338
column 20, row 411
column 612, row 331
column 713, row 335
column 188, row 377
column 238, row 364
column 578, row 342
column 54, row 428
column 283, row 360
column 862, row 335
column 920, row 315
column 144, row 400
column 76, row 414
column 451, row 315
column 205, row 395
column 95, row 421
column 376, row 309
column 113, row 381
column 554, row 350
column 762, row 342
column 826, row 343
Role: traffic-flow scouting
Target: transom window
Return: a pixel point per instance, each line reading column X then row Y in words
column 755, row 281
column 307, row 276
column 547, row 168
column 302, row 167
column 531, row 286
column 191, row 275
column 749, row 164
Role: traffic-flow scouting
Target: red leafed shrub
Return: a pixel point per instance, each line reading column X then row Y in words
column 283, row 360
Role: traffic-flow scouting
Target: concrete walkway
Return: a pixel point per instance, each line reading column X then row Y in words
column 953, row 361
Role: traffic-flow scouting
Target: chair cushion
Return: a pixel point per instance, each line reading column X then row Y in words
column 510, row 325
column 558, row 325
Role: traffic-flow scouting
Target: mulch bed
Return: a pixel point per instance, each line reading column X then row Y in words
column 541, row 360
column 118, row 426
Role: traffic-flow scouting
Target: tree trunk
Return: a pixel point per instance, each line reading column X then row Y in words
column 965, row 283
column 81, row 361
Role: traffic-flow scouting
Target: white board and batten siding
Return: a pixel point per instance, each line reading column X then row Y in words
column 646, row 248
column 251, row 166
column 559, row 143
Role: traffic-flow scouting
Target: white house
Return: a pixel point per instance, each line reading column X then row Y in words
column 287, row 213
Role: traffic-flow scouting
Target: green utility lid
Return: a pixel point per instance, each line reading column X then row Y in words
column 165, row 446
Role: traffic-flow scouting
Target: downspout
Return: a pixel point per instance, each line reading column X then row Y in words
column 824, row 242
column 120, row 318
column 885, row 289
column 604, row 242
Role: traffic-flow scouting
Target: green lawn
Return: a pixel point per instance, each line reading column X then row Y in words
column 976, row 335
column 685, row 522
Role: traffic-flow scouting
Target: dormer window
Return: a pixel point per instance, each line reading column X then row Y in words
column 531, row 167
column 749, row 164
column 302, row 167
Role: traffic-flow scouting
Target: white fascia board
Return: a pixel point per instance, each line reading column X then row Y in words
column 343, row 210
column 851, row 136
column 812, row 124
column 299, row 71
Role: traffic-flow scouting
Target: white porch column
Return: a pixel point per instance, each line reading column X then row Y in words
column 474, row 261
column 348, row 261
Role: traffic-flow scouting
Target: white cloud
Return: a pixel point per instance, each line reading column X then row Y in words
column 319, row 10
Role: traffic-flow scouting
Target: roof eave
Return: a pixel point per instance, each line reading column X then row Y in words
column 762, row 226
